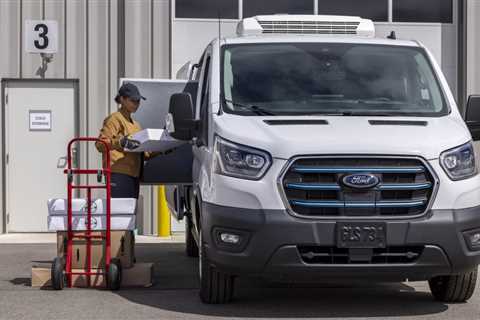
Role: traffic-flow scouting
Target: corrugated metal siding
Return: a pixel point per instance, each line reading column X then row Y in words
column 89, row 50
column 473, row 46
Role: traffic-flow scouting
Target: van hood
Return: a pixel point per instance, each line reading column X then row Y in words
column 293, row 136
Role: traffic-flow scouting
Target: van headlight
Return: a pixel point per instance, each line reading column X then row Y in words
column 240, row 161
column 459, row 162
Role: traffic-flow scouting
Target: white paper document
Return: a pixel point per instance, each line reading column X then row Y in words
column 154, row 140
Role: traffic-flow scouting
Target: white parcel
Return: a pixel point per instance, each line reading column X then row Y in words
column 154, row 140
column 122, row 210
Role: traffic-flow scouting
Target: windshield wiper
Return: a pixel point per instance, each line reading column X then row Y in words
column 253, row 108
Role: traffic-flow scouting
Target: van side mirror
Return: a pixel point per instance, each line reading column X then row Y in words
column 180, row 123
column 472, row 116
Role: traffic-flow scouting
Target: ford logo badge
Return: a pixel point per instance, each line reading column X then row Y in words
column 360, row 181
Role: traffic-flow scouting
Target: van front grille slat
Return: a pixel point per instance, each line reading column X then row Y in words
column 335, row 186
column 363, row 204
column 308, row 169
column 314, row 187
column 334, row 255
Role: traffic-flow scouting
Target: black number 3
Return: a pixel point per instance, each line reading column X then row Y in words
column 43, row 35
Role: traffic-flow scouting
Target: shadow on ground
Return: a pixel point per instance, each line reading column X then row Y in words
column 176, row 289
column 26, row 282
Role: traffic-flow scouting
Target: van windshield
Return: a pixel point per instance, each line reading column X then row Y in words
column 329, row 79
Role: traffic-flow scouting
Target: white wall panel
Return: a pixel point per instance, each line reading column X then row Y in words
column 113, row 54
column 76, row 38
column 190, row 37
column 473, row 47
column 54, row 10
column 9, row 31
column 98, row 62
column 9, row 62
column 138, row 38
column 161, row 39
column 75, row 57
column 31, row 10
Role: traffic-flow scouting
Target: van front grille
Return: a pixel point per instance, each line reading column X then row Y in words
column 314, row 187
column 334, row 255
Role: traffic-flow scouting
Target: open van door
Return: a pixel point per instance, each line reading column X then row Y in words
column 175, row 169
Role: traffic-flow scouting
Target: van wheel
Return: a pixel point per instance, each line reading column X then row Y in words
column 454, row 288
column 216, row 287
column 191, row 247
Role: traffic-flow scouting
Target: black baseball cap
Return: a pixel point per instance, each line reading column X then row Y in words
column 129, row 90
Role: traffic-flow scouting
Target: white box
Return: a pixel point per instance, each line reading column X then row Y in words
column 123, row 212
column 98, row 222
column 99, row 206
column 154, row 140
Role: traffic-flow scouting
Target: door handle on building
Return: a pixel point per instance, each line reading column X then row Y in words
column 62, row 162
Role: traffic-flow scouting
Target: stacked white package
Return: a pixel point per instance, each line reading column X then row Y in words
column 154, row 140
column 122, row 214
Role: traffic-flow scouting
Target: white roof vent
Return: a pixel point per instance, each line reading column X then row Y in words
column 306, row 24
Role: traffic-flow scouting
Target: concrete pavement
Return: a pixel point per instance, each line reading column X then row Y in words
column 175, row 294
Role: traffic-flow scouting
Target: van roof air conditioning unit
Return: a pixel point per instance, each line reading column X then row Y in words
column 306, row 24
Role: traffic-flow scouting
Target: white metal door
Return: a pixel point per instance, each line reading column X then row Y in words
column 39, row 122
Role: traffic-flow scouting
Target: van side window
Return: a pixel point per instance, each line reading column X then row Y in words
column 204, row 103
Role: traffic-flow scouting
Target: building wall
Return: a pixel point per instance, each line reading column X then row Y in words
column 195, row 33
column 100, row 41
column 473, row 47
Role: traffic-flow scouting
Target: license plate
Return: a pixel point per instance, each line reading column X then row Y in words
column 361, row 234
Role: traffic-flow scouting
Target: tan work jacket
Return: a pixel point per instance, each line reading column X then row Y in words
column 119, row 124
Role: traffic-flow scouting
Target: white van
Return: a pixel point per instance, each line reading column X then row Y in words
column 321, row 152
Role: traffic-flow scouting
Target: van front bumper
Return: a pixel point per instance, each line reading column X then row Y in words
column 270, row 241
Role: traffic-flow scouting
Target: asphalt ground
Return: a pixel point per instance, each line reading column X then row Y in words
column 174, row 295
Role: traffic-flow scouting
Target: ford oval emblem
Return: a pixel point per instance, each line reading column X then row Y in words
column 360, row 181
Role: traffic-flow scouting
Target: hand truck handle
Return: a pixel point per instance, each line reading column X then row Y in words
column 88, row 139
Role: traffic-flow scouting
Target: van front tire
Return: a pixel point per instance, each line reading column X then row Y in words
column 216, row 287
column 454, row 288
column 191, row 247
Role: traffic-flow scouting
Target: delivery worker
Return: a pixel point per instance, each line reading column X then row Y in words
column 117, row 132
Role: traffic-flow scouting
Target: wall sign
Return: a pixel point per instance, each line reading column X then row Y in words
column 40, row 120
column 41, row 36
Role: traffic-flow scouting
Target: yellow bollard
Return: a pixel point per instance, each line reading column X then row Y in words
column 163, row 218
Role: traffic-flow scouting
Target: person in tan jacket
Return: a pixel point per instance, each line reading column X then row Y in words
column 117, row 131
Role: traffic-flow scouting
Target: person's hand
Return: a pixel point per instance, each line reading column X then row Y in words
column 129, row 144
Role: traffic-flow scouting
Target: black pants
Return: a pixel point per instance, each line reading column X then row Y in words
column 124, row 186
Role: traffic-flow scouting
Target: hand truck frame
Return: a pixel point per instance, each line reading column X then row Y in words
column 62, row 267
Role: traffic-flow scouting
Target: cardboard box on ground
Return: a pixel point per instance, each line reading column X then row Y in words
column 140, row 275
column 122, row 246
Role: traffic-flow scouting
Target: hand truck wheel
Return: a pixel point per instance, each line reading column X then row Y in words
column 57, row 276
column 114, row 276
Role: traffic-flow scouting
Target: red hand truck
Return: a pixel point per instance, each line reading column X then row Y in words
column 62, row 267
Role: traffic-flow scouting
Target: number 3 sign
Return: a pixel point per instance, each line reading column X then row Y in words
column 41, row 36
